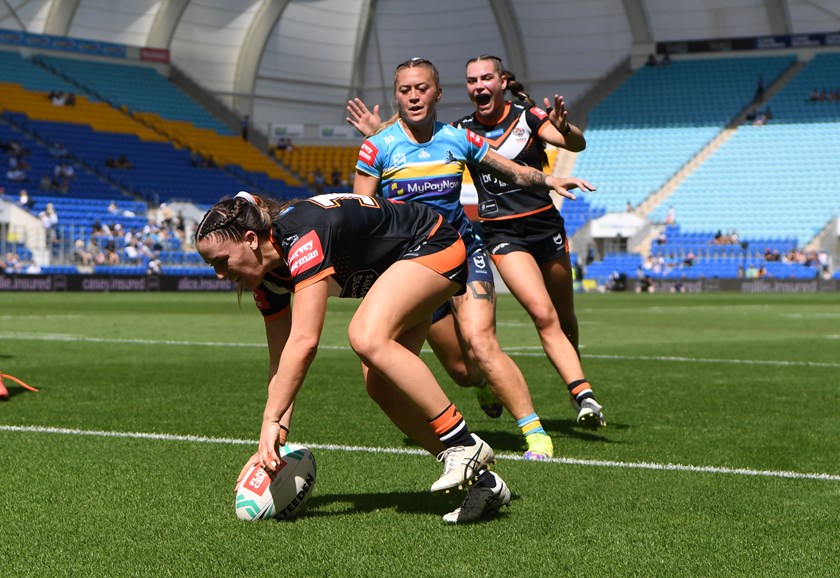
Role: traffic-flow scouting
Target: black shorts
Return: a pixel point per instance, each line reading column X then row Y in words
column 543, row 235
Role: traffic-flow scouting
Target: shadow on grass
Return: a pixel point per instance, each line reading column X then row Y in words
column 323, row 505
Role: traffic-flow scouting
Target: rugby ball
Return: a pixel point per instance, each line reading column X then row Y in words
column 281, row 494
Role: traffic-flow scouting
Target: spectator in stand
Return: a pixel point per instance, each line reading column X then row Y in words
column 167, row 216
column 81, row 256
column 49, row 218
column 24, row 200
column 318, row 181
column 246, row 122
column 111, row 255
column 95, row 250
column 58, row 151
column 124, row 163
column 47, row 183
column 154, row 267
column 335, row 178
column 63, row 173
column 16, row 171
column 60, row 98
column 132, row 254
column 671, row 217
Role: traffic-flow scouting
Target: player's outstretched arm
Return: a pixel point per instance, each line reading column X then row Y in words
column 530, row 178
column 309, row 309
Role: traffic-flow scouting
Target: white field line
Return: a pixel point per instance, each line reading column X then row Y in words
column 525, row 351
column 404, row 451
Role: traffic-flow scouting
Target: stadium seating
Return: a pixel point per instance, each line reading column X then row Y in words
column 660, row 118
column 137, row 88
column 775, row 179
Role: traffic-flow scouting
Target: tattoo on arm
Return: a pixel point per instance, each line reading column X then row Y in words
column 528, row 178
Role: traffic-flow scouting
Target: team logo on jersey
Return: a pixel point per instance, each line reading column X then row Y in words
column 558, row 240
column 398, row 161
column 367, row 153
column 478, row 260
column 448, row 157
column 538, row 112
column 423, row 154
column 305, row 254
column 474, row 138
column 358, row 285
column 396, row 190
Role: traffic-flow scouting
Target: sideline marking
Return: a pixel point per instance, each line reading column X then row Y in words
column 525, row 351
column 380, row 450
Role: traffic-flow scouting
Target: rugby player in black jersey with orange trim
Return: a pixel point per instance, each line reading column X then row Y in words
column 524, row 233
column 403, row 259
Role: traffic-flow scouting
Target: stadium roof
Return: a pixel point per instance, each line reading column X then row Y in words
column 298, row 61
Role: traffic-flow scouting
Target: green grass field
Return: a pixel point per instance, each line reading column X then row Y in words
column 720, row 457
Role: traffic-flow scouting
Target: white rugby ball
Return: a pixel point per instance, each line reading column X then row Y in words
column 281, row 494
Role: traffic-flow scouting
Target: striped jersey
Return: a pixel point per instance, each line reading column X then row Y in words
column 430, row 172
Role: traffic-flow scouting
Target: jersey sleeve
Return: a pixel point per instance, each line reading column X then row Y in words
column 368, row 161
column 271, row 303
column 477, row 147
column 308, row 259
column 536, row 118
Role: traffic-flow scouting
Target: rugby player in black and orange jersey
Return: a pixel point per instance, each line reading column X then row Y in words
column 403, row 259
column 524, row 234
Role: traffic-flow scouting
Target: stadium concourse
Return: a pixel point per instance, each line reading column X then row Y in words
column 711, row 129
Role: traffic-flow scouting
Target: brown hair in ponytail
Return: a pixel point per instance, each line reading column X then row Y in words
column 230, row 219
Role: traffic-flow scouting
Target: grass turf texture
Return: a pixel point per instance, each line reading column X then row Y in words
column 714, row 381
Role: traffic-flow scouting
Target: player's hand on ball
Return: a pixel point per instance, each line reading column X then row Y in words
column 269, row 442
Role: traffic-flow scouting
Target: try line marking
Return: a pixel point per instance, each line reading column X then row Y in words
column 405, row 451
column 526, row 351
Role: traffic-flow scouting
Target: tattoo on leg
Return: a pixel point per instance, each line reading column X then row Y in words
column 482, row 290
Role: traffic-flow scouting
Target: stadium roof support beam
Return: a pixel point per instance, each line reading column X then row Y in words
column 637, row 18
column 60, row 17
column 166, row 21
column 357, row 76
column 778, row 16
column 509, row 28
column 14, row 15
column 252, row 49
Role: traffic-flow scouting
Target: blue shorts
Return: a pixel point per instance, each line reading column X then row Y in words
column 479, row 270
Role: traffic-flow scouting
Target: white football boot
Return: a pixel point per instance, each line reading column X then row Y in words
column 589, row 414
column 480, row 502
column 462, row 465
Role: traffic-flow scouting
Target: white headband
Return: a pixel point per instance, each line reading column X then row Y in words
column 248, row 197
